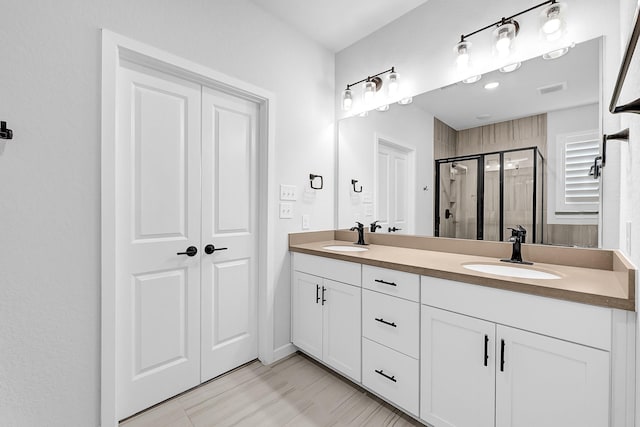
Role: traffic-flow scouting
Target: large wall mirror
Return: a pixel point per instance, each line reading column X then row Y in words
column 468, row 161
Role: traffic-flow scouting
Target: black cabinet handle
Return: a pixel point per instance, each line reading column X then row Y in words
column 209, row 249
column 386, row 283
column 381, row 320
column 501, row 355
column 191, row 251
column 486, row 350
column 394, row 229
column 323, row 291
column 390, row 378
column 317, row 294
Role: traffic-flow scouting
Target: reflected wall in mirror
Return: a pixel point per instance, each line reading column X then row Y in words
column 516, row 154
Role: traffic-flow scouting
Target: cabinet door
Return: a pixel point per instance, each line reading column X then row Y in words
column 307, row 313
column 549, row 382
column 457, row 370
column 341, row 337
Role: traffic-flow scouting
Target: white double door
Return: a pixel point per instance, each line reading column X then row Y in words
column 186, row 162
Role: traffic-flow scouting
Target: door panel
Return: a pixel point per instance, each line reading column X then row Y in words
column 550, row 382
column 157, row 216
column 229, row 304
column 393, row 188
column 307, row 313
column 160, row 178
column 341, row 328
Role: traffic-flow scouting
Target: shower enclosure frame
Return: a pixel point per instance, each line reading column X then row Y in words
column 480, row 158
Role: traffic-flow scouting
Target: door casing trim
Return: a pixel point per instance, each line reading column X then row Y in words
column 116, row 48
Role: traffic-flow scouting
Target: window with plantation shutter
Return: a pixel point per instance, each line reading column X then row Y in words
column 577, row 191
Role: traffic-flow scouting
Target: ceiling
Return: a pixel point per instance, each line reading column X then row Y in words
column 337, row 24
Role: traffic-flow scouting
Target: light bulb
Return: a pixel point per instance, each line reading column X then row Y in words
column 504, row 37
column 461, row 50
column 552, row 23
column 393, row 84
column 369, row 92
column 347, row 99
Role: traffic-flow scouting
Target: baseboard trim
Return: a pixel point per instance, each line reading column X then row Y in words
column 284, row 351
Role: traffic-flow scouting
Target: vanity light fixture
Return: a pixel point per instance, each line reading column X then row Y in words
column 552, row 27
column 371, row 86
column 511, row 67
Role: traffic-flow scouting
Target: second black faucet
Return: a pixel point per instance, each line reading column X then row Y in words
column 360, row 229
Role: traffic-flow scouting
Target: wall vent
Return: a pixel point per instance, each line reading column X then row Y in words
column 552, row 88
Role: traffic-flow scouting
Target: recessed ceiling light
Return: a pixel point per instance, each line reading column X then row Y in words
column 405, row 101
column 483, row 116
column 511, row 67
column 472, row 79
column 554, row 54
column 491, row 85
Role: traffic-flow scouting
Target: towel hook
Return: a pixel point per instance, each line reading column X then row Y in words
column 312, row 177
column 353, row 183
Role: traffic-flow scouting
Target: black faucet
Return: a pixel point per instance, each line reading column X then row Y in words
column 360, row 230
column 374, row 226
column 518, row 237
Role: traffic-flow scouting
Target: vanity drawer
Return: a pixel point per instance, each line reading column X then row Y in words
column 340, row 271
column 391, row 321
column 392, row 375
column 391, row 282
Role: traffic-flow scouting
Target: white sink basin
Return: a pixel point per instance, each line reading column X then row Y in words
column 507, row 270
column 340, row 248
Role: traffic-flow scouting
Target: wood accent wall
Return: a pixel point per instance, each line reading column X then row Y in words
column 572, row 235
column 444, row 140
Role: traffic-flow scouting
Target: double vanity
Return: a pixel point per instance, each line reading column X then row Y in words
column 443, row 330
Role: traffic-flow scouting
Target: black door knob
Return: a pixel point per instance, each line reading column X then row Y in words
column 191, row 251
column 209, row 249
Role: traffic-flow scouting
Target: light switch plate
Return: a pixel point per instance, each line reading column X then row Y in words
column 286, row 210
column 305, row 222
column 288, row 192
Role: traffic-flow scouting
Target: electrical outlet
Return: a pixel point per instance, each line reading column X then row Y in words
column 305, row 222
column 288, row 192
column 286, row 210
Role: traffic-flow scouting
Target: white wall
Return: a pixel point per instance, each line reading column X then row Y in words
column 577, row 119
column 408, row 126
column 420, row 46
column 50, row 173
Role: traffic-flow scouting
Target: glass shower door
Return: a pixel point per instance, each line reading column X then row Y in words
column 458, row 199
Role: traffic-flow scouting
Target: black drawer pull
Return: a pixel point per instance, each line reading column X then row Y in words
column 390, row 378
column 317, row 294
column 386, row 283
column 381, row 320
column 501, row 355
column 486, row 350
column 323, row 291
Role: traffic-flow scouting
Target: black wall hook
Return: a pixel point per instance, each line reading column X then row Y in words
column 312, row 177
column 353, row 182
column 4, row 132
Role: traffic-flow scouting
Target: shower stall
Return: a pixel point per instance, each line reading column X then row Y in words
column 481, row 196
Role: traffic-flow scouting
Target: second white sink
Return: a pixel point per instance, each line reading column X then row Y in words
column 340, row 248
column 507, row 270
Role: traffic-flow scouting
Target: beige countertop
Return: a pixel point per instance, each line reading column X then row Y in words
column 612, row 286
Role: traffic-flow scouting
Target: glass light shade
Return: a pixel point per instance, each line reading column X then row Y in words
column 384, row 107
column 393, row 84
column 504, row 38
column 369, row 92
column 462, row 54
column 406, row 101
column 511, row 67
column 552, row 21
column 554, row 54
column 347, row 100
column 472, row 79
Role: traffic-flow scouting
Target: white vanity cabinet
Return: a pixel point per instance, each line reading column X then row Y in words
column 326, row 312
column 477, row 372
column 391, row 335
